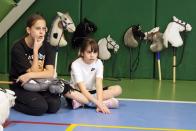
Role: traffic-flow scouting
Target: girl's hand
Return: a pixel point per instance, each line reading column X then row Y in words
column 103, row 109
column 24, row 78
column 38, row 42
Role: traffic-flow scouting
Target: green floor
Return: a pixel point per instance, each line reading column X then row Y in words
column 159, row 90
column 150, row 89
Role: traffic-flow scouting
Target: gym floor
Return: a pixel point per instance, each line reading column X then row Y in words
column 145, row 104
column 132, row 115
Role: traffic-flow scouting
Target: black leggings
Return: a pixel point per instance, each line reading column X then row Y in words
column 36, row 103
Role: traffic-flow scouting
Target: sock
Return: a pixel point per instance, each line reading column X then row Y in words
column 111, row 103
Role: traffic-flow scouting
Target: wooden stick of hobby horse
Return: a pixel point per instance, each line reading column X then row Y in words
column 6, row 82
column 174, row 64
column 159, row 64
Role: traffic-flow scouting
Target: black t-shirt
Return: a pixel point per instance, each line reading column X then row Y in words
column 22, row 57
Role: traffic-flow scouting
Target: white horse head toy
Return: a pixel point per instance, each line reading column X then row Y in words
column 62, row 22
column 172, row 32
column 156, row 39
column 7, row 100
column 105, row 44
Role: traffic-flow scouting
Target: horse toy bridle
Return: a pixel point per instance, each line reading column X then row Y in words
column 184, row 25
column 65, row 24
column 115, row 46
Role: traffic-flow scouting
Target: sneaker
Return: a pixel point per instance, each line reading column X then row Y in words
column 76, row 104
column 111, row 103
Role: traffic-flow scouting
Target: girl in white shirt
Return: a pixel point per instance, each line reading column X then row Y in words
column 87, row 81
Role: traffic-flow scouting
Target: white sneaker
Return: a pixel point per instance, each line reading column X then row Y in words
column 111, row 103
column 76, row 104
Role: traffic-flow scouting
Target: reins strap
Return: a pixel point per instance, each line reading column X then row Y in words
column 110, row 42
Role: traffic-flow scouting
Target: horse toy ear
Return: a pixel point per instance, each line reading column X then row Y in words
column 174, row 18
column 60, row 14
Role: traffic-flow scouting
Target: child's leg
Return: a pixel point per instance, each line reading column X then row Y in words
column 76, row 95
column 111, row 92
column 75, row 99
column 108, row 97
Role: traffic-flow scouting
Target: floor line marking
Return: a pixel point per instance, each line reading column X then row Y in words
column 72, row 126
column 39, row 123
column 151, row 100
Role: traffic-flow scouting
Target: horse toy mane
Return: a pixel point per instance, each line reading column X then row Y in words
column 133, row 35
column 105, row 44
column 172, row 32
column 156, row 39
column 83, row 30
column 63, row 21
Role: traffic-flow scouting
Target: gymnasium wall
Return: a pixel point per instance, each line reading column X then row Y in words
column 114, row 17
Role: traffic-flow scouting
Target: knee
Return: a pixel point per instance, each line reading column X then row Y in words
column 54, row 105
column 50, row 106
column 117, row 90
column 40, row 109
